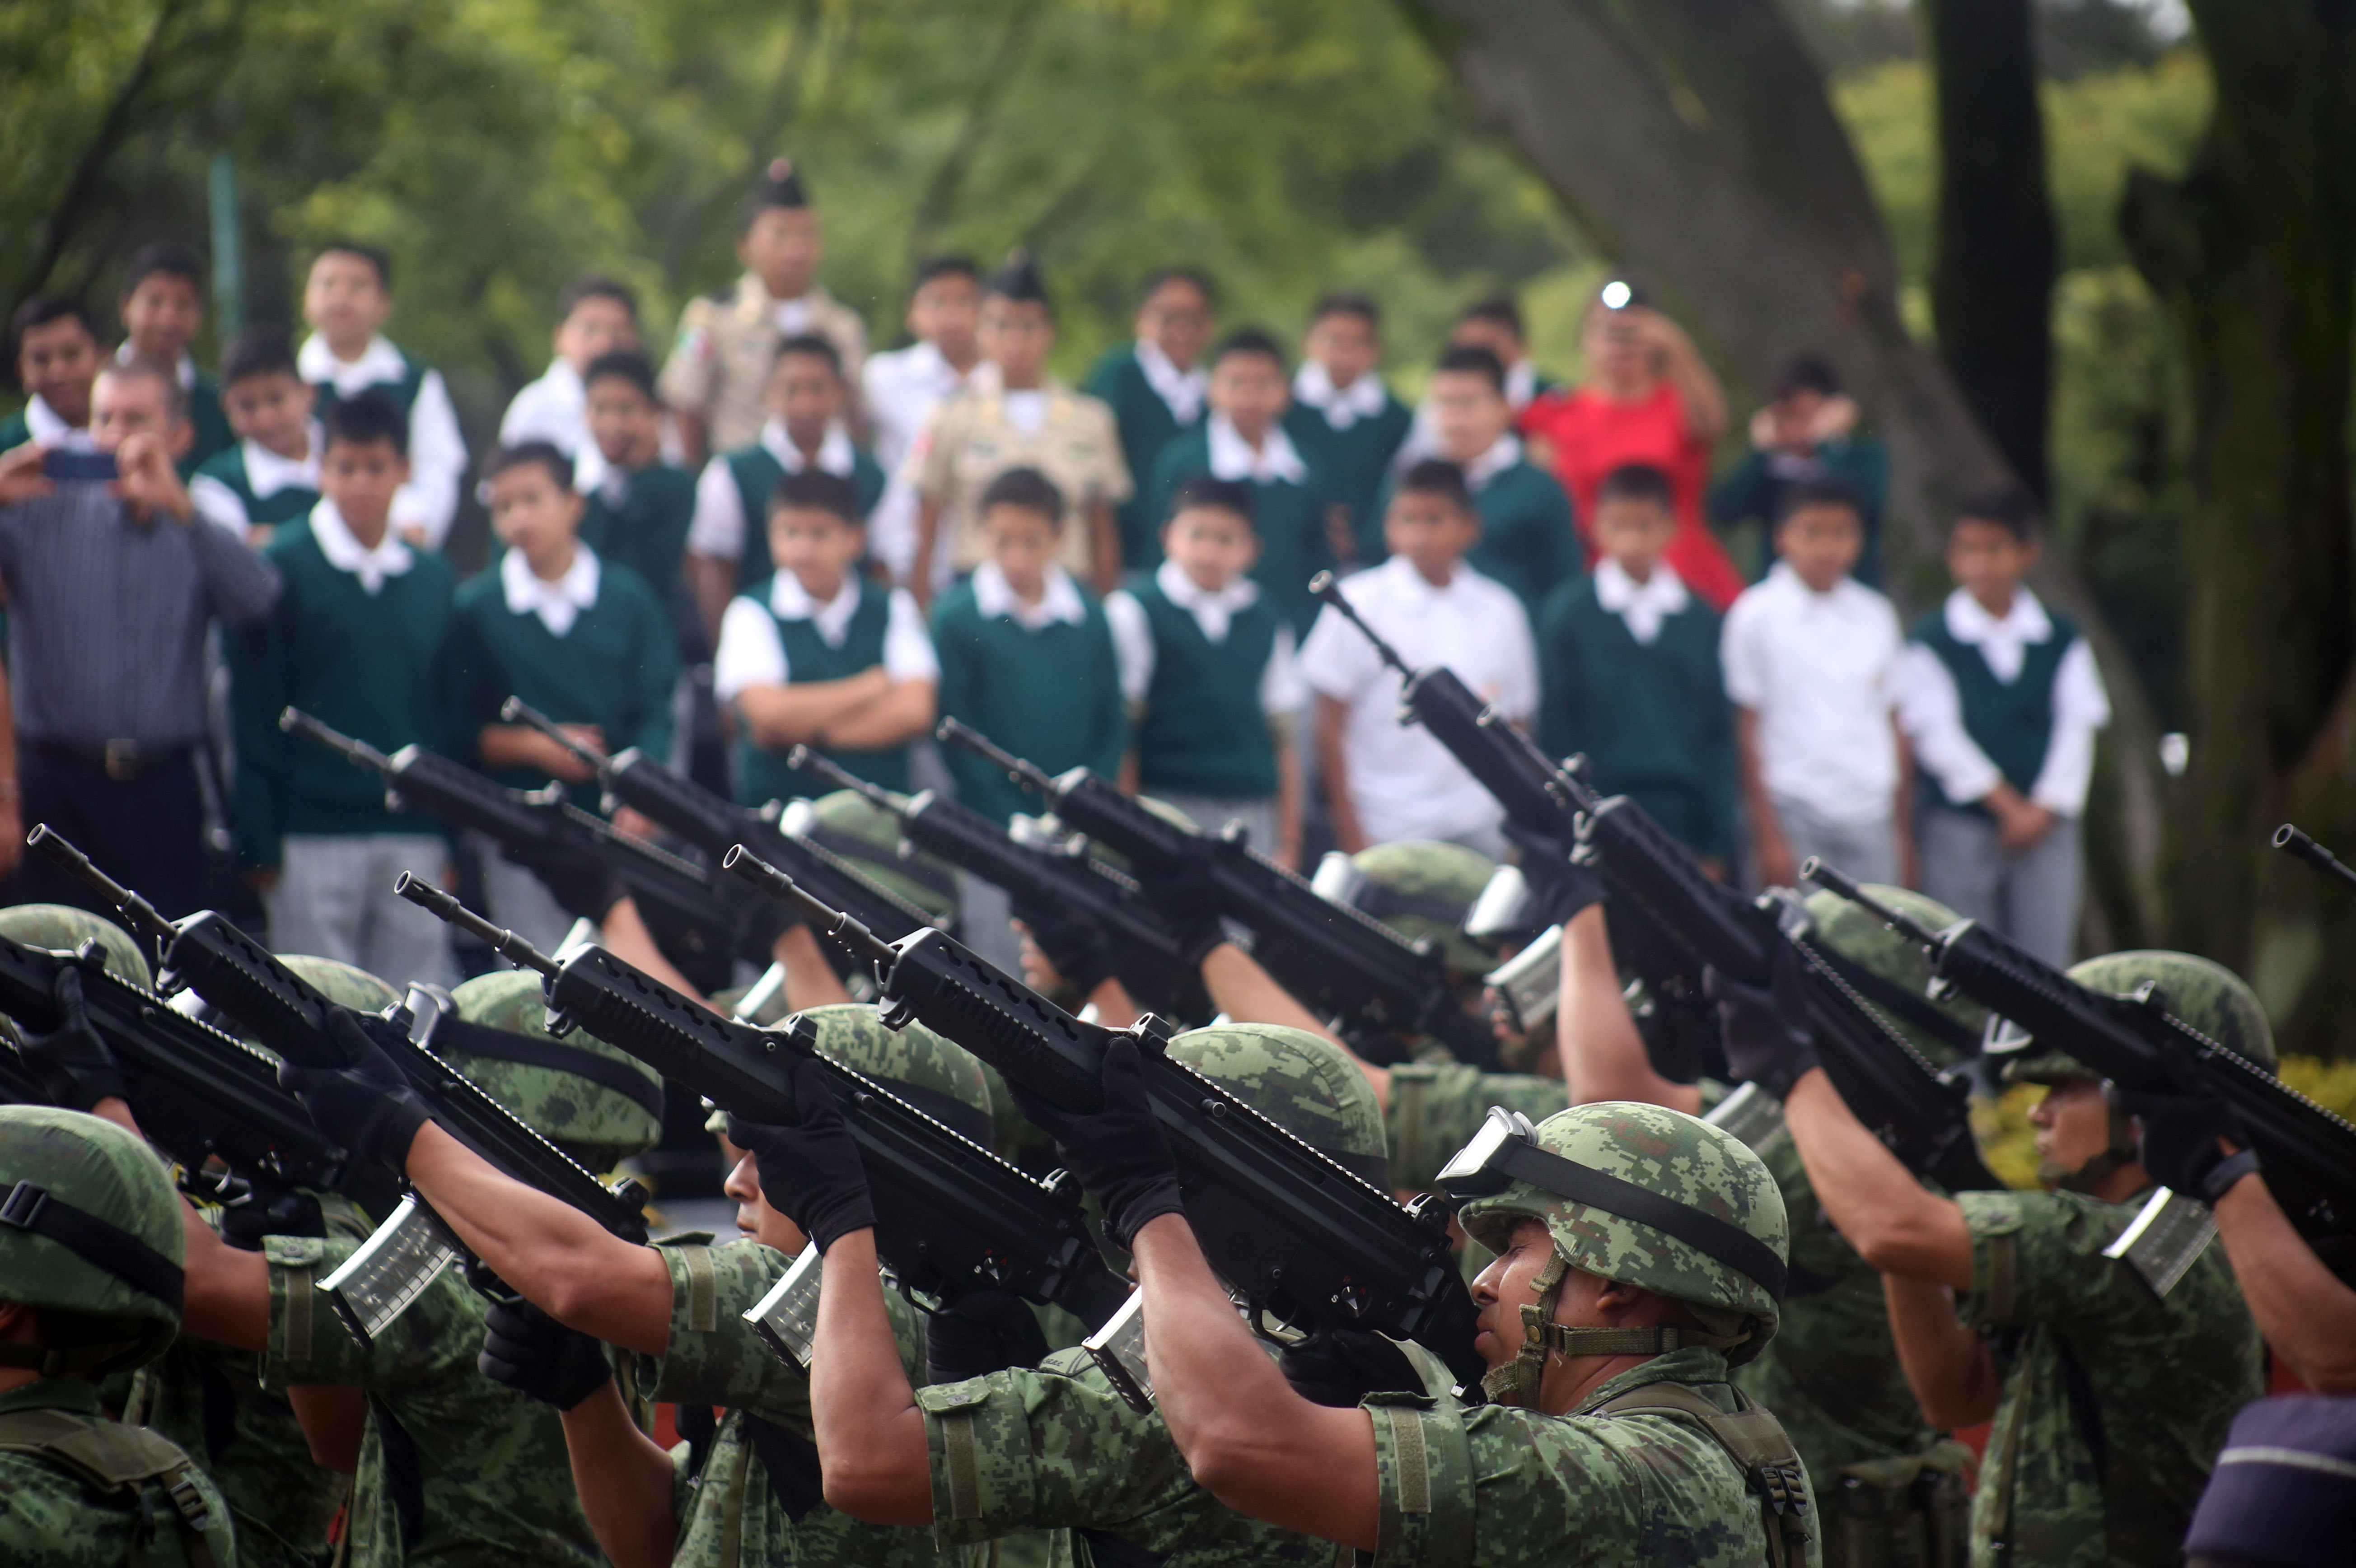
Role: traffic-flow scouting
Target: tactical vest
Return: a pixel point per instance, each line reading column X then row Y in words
column 1203, row 732
column 401, row 394
column 2012, row 722
column 1757, row 1444
column 809, row 658
column 121, row 1464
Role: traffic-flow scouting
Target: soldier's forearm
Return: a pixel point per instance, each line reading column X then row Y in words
column 2305, row 1312
column 1603, row 1057
column 1874, row 1201
column 1948, row 1366
column 624, row 1482
column 871, row 1435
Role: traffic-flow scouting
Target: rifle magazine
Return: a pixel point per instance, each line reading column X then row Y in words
column 391, row 1269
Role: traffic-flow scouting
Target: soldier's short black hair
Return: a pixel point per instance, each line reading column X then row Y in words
column 781, row 186
column 1347, row 302
column 172, row 260
column 934, row 267
column 816, row 490
column 1027, row 489
column 1637, row 482
column 623, row 365
column 811, row 346
column 1180, row 274
column 1809, row 493
column 176, row 396
column 1472, row 359
column 259, row 351
column 369, row 418
column 596, row 286
column 1499, row 311
column 44, row 310
column 371, row 254
column 2008, row 506
column 1807, row 373
column 1251, row 340
column 1223, row 494
column 1437, row 477
column 527, row 454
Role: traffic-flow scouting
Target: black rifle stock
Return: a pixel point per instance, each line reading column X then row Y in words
column 1337, row 962
column 2299, row 846
column 2308, row 1153
column 951, row 1217
column 1291, row 1231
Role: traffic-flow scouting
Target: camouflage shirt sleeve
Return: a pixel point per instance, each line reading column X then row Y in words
column 439, row 1334
column 1434, row 1111
column 2037, row 1258
column 686, row 381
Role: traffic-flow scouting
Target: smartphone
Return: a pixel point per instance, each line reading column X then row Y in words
column 62, row 463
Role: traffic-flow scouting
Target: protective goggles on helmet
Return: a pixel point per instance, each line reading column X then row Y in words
column 1505, row 1150
column 1339, row 880
column 1505, row 910
column 2002, row 1037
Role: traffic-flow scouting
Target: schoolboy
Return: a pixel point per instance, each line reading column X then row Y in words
column 272, row 475
column 1811, row 662
column 56, row 361
column 638, row 512
column 1527, row 541
column 353, row 640
column 1343, row 416
column 589, row 646
column 346, row 299
column 1628, row 672
column 818, row 656
column 162, row 307
column 1807, row 431
column 1384, row 783
column 1209, row 672
column 1496, row 325
column 2001, row 699
column 1244, row 440
column 596, row 315
column 716, row 376
column 901, row 388
column 1156, row 387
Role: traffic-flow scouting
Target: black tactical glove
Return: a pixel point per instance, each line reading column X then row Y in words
column 73, row 1066
column 809, row 1169
column 1340, row 1367
column 1076, row 946
column 366, row 1103
column 2178, row 1139
column 539, row 1358
column 285, row 1212
column 1563, row 883
column 581, row 885
column 986, row 1331
column 1188, row 901
column 1117, row 1153
column 1765, row 1032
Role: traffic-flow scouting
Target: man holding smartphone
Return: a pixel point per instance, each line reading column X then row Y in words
column 111, row 584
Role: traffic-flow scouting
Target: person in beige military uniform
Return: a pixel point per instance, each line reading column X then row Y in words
column 728, row 342
column 1013, row 414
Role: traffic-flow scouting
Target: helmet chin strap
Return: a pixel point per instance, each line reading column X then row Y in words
column 2117, row 1154
column 1516, row 1382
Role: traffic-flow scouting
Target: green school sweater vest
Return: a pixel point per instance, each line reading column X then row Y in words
column 1353, row 462
column 1289, row 520
column 648, row 531
column 210, row 424
column 808, row 658
column 278, row 506
column 1146, row 426
column 13, row 432
column 1052, row 696
column 401, row 394
column 1202, row 732
column 2012, row 723
column 361, row 662
column 756, row 473
column 1652, row 721
column 1527, row 541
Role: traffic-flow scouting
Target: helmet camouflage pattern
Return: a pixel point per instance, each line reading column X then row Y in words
column 61, row 928
column 2199, row 991
column 1420, row 888
column 947, row 1077
column 109, row 1175
column 1855, row 933
column 341, row 983
column 594, row 1123
column 1679, row 1157
column 868, row 836
column 1299, row 1082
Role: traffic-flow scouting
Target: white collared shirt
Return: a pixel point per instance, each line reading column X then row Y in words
column 1215, row 610
column 1058, row 601
column 438, row 452
column 1820, row 671
column 48, row 431
column 1931, row 711
column 559, row 604
column 1643, row 605
column 267, row 474
column 555, row 409
column 1342, row 407
column 1277, row 461
column 1403, row 782
column 373, row 565
column 902, row 389
column 751, row 653
column 718, row 530
column 1182, row 391
column 186, row 366
column 1502, row 455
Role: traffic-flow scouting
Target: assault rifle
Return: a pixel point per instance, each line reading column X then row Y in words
column 1339, row 963
column 2299, row 846
column 1146, row 952
column 674, row 896
column 1687, row 921
column 207, row 955
column 951, row 1217
column 1297, row 1235
column 711, row 823
column 2309, row 1153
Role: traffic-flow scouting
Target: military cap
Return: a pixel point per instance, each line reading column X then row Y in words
column 1018, row 281
column 1301, row 1083
column 939, row 1078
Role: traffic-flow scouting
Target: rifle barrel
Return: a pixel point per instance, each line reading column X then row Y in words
column 833, row 922
column 802, row 760
column 1324, row 586
column 294, row 721
column 445, row 907
column 1026, row 773
column 2299, row 846
column 1815, row 870
column 516, row 710
column 54, row 845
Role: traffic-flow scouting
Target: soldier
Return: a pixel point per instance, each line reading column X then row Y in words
column 728, row 341
column 91, row 1284
column 2108, row 1397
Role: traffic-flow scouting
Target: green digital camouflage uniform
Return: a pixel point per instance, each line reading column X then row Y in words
column 2115, row 1405
column 1054, row 1446
column 78, row 1490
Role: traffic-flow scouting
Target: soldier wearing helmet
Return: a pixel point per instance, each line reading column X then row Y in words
column 2110, row 1381
column 91, row 1284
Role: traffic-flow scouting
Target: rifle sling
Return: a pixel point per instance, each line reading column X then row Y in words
column 1911, row 1006
column 454, row 1034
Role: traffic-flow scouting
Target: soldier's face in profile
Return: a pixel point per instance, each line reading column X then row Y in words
column 2073, row 1126
column 754, row 1218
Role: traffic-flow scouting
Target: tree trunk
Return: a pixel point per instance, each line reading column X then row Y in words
column 1992, row 279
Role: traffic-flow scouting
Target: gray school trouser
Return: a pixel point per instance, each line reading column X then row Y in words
column 518, row 900
column 1213, row 812
column 334, row 899
column 1867, row 850
column 2032, row 895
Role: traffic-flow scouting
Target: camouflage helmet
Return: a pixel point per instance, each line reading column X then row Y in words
column 1302, row 1083
column 341, row 983
column 1893, row 973
column 850, row 825
column 1714, row 1177
column 601, row 1120
column 61, row 928
column 941, row 1079
column 1046, row 830
column 2199, row 991
column 118, row 1254
column 1418, row 888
